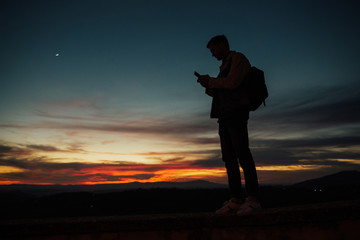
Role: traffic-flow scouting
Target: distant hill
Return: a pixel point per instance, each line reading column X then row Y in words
column 345, row 178
column 39, row 190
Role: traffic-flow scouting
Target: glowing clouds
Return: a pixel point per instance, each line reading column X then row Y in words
column 10, row 169
column 289, row 167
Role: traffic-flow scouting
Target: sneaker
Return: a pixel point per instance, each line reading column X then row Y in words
column 229, row 207
column 248, row 208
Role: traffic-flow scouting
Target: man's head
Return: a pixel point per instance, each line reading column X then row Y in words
column 219, row 47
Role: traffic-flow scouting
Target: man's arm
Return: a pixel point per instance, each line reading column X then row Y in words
column 210, row 92
column 239, row 68
column 204, row 80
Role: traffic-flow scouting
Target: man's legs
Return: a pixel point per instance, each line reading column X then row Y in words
column 241, row 142
column 232, row 167
column 237, row 129
column 229, row 156
column 235, row 146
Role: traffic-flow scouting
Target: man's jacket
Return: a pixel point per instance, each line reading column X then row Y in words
column 227, row 89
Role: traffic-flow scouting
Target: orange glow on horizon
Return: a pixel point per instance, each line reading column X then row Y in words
column 176, row 174
column 289, row 167
column 9, row 182
column 112, row 174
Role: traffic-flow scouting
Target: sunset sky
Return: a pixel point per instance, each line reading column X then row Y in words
column 102, row 91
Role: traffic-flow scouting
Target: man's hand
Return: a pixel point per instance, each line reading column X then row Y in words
column 203, row 79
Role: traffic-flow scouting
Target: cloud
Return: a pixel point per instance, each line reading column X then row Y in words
column 42, row 170
column 315, row 142
column 45, row 148
column 296, row 160
column 6, row 150
column 33, row 169
column 72, row 104
column 154, row 126
column 321, row 108
column 107, row 142
column 287, row 156
column 204, row 140
column 209, row 163
column 317, row 132
column 313, row 125
column 31, row 149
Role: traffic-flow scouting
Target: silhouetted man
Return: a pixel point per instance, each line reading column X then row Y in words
column 230, row 106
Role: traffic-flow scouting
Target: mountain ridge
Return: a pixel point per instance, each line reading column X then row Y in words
column 343, row 178
column 103, row 188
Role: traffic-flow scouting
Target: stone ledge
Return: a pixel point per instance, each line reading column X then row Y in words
column 343, row 215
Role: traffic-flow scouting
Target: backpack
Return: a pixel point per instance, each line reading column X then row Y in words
column 256, row 88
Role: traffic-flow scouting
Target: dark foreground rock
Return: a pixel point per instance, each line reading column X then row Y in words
column 332, row 220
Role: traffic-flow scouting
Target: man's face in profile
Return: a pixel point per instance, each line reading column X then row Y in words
column 218, row 50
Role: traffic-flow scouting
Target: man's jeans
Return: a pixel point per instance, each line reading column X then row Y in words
column 235, row 148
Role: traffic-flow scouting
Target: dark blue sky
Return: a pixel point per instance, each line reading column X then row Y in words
column 122, row 92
